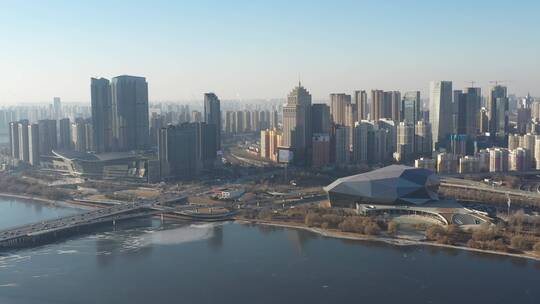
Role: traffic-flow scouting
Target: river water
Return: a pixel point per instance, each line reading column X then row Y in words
column 146, row 261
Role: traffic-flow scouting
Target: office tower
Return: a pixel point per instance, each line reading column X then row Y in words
column 360, row 99
column 156, row 123
column 33, row 144
column 422, row 138
column 208, row 144
column 297, row 123
column 338, row 104
column 498, row 112
column 360, row 142
column 484, row 121
column 179, row 151
column 321, row 150
column 377, row 105
column 48, row 137
column 395, row 105
column 320, row 118
column 212, row 115
column 100, row 90
column 130, row 112
column 341, row 145
column 14, row 139
column 472, row 108
column 466, row 108
column 65, row 134
column 78, row 135
column 405, row 141
column 57, row 108
column 523, row 118
column 23, row 141
column 410, row 107
column 440, row 111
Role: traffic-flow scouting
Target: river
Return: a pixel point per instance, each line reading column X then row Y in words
column 146, row 261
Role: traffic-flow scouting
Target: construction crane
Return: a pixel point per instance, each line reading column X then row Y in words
column 497, row 82
column 472, row 82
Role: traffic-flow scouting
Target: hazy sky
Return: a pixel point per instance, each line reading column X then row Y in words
column 259, row 49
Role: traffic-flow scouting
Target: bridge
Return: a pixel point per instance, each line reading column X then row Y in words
column 46, row 231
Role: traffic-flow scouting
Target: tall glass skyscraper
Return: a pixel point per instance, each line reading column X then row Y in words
column 440, row 111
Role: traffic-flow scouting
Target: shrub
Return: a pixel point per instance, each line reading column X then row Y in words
column 392, row 228
column 521, row 242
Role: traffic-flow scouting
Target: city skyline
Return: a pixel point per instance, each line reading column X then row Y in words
column 247, row 50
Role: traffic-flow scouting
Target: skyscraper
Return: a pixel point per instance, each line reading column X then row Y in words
column 338, row 107
column 212, row 115
column 297, row 123
column 360, row 99
column 405, row 141
column 101, row 114
column 33, row 144
column 65, row 134
column 130, row 112
column 377, row 104
column 395, row 105
column 14, row 139
column 440, row 111
column 360, row 142
column 497, row 105
column 320, row 118
column 179, row 151
column 422, row 138
column 57, row 108
column 24, row 154
column 47, row 136
column 410, row 107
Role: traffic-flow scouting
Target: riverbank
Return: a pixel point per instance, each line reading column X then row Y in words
column 397, row 241
column 66, row 204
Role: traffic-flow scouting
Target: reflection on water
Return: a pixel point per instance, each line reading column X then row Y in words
column 147, row 261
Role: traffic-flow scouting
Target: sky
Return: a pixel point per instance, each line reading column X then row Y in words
column 261, row 49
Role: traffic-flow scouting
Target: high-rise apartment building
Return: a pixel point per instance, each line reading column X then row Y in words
column 360, row 99
column 33, row 144
column 338, row 107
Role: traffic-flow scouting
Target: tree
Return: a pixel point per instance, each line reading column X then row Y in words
column 392, row 228
column 521, row 242
column 536, row 248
